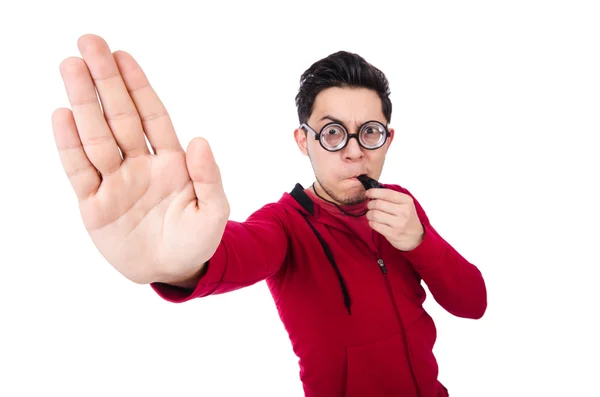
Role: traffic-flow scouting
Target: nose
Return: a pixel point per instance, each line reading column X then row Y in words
column 353, row 151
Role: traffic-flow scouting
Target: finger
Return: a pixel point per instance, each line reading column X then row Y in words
column 119, row 110
column 96, row 138
column 388, row 195
column 155, row 118
column 381, row 228
column 384, row 206
column 81, row 173
column 204, row 172
column 382, row 217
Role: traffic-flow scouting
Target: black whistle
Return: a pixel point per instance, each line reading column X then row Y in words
column 369, row 182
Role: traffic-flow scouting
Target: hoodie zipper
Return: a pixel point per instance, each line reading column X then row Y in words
column 400, row 323
column 390, row 293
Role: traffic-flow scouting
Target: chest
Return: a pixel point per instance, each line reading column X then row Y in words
column 328, row 260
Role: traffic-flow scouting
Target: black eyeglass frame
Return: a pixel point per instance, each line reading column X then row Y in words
column 348, row 136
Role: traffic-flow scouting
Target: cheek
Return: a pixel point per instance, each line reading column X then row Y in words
column 319, row 158
column 376, row 160
column 327, row 168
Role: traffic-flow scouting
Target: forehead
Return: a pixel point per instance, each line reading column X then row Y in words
column 351, row 105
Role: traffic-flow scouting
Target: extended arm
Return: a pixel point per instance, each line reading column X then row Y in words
column 249, row 252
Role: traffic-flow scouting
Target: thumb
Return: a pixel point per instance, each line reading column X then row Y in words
column 205, row 173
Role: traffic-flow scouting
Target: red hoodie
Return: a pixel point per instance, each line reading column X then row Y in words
column 352, row 306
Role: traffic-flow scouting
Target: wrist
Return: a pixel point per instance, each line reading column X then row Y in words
column 186, row 279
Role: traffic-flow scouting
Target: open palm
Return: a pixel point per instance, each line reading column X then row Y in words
column 154, row 214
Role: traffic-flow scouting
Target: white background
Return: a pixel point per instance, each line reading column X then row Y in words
column 496, row 111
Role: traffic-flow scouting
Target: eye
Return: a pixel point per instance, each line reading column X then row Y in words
column 333, row 136
column 372, row 135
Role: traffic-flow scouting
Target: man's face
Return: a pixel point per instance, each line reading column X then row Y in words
column 336, row 172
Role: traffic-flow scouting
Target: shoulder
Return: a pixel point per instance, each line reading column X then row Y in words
column 282, row 213
column 269, row 211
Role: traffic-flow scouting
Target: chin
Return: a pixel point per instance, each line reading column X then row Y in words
column 352, row 195
column 346, row 191
column 356, row 199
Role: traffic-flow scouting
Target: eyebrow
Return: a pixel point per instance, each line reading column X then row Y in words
column 331, row 118
column 335, row 120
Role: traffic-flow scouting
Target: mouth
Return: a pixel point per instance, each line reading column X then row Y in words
column 356, row 176
column 354, row 180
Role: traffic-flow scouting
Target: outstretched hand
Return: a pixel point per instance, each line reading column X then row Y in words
column 153, row 214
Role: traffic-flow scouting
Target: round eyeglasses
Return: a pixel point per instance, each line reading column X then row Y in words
column 334, row 136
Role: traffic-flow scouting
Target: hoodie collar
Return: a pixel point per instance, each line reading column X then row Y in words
column 301, row 199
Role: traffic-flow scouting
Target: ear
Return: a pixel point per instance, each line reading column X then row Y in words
column 391, row 138
column 300, row 137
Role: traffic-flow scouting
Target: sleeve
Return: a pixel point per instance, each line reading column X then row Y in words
column 249, row 252
column 456, row 284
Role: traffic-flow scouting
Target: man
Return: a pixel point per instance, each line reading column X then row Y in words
column 344, row 263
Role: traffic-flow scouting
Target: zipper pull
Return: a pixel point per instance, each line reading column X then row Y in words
column 382, row 265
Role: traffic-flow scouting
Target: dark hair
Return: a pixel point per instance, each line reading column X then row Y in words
column 341, row 69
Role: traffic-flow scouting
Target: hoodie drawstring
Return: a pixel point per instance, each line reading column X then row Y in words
column 332, row 261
